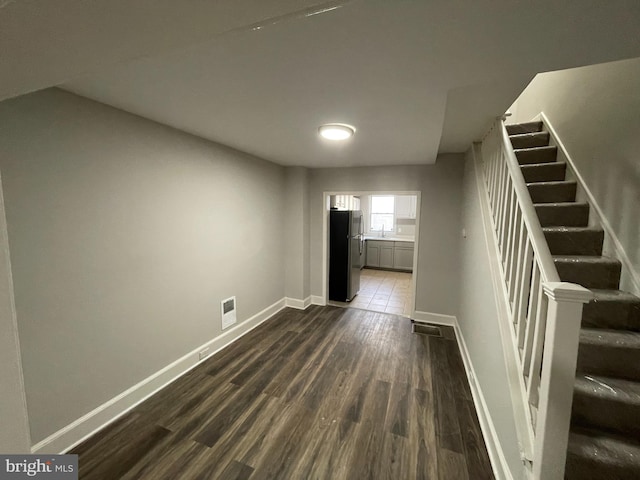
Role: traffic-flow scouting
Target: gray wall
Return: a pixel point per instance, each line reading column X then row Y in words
column 441, row 188
column 14, row 433
column 596, row 112
column 125, row 235
column 478, row 320
column 296, row 233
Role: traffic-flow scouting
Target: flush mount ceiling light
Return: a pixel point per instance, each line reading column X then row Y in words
column 336, row 131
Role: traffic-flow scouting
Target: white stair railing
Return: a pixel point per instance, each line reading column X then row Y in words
column 544, row 313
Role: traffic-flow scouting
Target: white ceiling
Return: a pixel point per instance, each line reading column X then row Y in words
column 44, row 42
column 415, row 77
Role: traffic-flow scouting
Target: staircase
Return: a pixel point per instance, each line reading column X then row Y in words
column 604, row 442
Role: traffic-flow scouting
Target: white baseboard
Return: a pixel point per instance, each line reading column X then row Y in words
column 318, row 300
column 68, row 437
column 297, row 303
column 438, row 318
column 496, row 455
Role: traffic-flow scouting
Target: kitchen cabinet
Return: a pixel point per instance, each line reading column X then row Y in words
column 406, row 206
column 403, row 256
column 380, row 253
column 386, row 255
column 344, row 202
column 373, row 253
column 389, row 254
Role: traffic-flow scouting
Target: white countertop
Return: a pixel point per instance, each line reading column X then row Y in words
column 391, row 238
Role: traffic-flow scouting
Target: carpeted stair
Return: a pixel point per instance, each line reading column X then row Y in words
column 605, row 434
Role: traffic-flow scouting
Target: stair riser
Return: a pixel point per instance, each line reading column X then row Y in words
column 614, row 416
column 537, row 139
column 613, row 315
column 575, row 243
column 548, row 172
column 554, row 193
column 590, row 275
column 521, row 128
column 543, row 155
column 609, row 361
column 578, row 469
column 568, row 216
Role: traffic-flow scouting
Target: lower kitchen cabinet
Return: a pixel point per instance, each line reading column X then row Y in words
column 403, row 256
column 373, row 254
column 389, row 254
column 386, row 255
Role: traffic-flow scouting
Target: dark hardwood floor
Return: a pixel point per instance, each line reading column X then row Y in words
column 326, row 393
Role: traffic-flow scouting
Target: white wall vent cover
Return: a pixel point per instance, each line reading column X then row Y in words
column 228, row 308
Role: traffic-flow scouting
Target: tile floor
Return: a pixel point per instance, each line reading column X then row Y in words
column 383, row 291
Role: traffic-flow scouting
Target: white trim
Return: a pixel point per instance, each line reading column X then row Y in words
column 620, row 252
column 567, row 292
column 437, row 318
column 416, row 247
column 68, row 437
column 318, row 300
column 297, row 303
column 325, row 233
column 499, row 463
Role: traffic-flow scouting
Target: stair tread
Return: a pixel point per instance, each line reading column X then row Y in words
column 529, row 139
column 561, row 204
column 604, row 448
column 609, row 388
column 544, row 172
column 541, row 165
column 595, row 259
column 529, row 134
column 610, row 338
column 552, row 191
column 528, row 126
column 553, row 182
column 536, row 155
column 590, row 271
column 574, row 240
column 606, row 295
column 562, row 213
column 613, row 309
column 563, row 229
column 535, row 149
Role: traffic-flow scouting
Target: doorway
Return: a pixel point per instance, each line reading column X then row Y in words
column 389, row 261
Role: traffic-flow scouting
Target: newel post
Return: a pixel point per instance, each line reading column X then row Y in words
column 562, row 336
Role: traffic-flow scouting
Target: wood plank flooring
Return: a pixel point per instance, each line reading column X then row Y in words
column 326, row 393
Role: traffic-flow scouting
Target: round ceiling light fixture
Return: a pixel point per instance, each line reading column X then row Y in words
column 336, row 131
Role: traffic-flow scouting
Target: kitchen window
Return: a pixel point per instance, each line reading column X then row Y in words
column 382, row 213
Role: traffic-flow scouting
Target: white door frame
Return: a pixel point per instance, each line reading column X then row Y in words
column 325, row 233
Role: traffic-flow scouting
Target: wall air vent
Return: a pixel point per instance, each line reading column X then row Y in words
column 228, row 308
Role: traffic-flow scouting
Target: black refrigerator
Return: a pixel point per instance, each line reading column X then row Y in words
column 346, row 243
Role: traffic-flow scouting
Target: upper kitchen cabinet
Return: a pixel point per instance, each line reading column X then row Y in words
column 406, row 206
column 344, row 202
